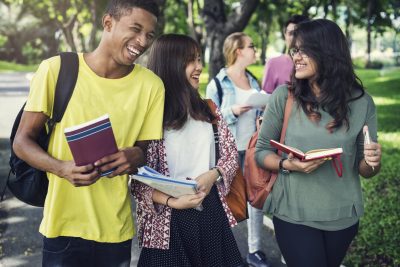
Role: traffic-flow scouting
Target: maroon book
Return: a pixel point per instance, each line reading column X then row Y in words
column 327, row 153
column 91, row 141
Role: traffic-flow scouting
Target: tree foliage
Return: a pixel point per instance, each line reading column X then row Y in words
column 75, row 25
column 221, row 20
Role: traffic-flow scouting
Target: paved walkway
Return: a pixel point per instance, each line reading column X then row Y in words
column 20, row 241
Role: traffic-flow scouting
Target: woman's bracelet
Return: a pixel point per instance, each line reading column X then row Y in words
column 372, row 167
column 166, row 202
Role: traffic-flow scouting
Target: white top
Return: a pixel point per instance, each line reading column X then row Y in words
column 246, row 124
column 189, row 149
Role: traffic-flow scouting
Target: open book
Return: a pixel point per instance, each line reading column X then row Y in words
column 91, row 141
column 170, row 186
column 327, row 153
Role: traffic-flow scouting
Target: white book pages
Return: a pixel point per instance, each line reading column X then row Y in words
column 170, row 186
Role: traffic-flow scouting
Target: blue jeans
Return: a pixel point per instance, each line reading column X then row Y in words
column 256, row 216
column 74, row 251
column 254, row 228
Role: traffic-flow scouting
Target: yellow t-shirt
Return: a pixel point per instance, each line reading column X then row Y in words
column 135, row 103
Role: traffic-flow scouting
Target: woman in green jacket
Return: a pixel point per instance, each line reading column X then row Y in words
column 316, row 212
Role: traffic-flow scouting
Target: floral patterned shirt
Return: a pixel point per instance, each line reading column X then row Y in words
column 154, row 219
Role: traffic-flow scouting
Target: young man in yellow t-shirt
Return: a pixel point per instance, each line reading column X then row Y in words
column 87, row 218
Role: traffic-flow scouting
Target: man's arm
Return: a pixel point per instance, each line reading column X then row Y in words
column 26, row 147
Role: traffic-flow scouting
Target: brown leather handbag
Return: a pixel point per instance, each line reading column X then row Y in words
column 259, row 181
column 237, row 197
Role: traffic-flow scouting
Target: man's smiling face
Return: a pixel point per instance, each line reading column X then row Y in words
column 131, row 35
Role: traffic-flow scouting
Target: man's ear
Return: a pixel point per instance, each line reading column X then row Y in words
column 107, row 22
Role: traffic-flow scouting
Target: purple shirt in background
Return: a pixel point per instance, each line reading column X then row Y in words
column 277, row 71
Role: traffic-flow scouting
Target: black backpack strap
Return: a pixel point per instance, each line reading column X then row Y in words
column 219, row 87
column 251, row 74
column 219, row 90
column 66, row 81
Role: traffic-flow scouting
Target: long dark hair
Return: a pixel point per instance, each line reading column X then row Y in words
column 323, row 41
column 169, row 56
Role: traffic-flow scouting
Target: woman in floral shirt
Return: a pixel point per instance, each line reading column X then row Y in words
column 173, row 231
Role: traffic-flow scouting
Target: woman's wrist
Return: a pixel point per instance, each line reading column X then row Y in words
column 370, row 170
column 168, row 201
column 217, row 174
column 283, row 166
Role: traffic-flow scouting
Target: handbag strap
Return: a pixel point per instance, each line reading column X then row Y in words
column 214, row 122
column 288, row 110
column 213, row 108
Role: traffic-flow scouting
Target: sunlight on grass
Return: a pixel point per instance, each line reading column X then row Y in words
column 385, row 101
column 383, row 79
column 6, row 66
column 204, row 77
column 392, row 138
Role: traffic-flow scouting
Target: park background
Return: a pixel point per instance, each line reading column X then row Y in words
column 31, row 31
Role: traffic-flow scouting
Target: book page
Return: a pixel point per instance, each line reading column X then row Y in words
column 86, row 124
column 170, row 186
column 323, row 153
column 257, row 100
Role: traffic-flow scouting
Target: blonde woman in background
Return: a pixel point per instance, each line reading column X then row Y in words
column 236, row 84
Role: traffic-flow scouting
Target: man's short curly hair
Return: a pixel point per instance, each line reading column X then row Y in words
column 119, row 8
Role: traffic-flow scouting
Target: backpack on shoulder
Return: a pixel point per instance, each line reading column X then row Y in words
column 259, row 182
column 220, row 92
column 27, row 183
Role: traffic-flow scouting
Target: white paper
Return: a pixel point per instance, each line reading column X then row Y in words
column 165, row 184
column 257, row 100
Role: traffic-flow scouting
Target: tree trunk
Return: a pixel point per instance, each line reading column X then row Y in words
column 16, row 49
column 395, row 48
column 218, row 27
column 196, row 31
column 334, row 10
column 93, row 18
column 67, row 29
column 263, row 54
column 82, row 41
column 161, row 18
column 369, row 27
column 264, row 27
column 349, row 23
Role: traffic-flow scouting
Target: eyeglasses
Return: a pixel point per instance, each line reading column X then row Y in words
column 251, row 46
column 294, row 50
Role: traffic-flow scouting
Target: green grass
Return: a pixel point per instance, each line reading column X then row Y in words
column 11, row 67
column 383, row 85
column 379, row 236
